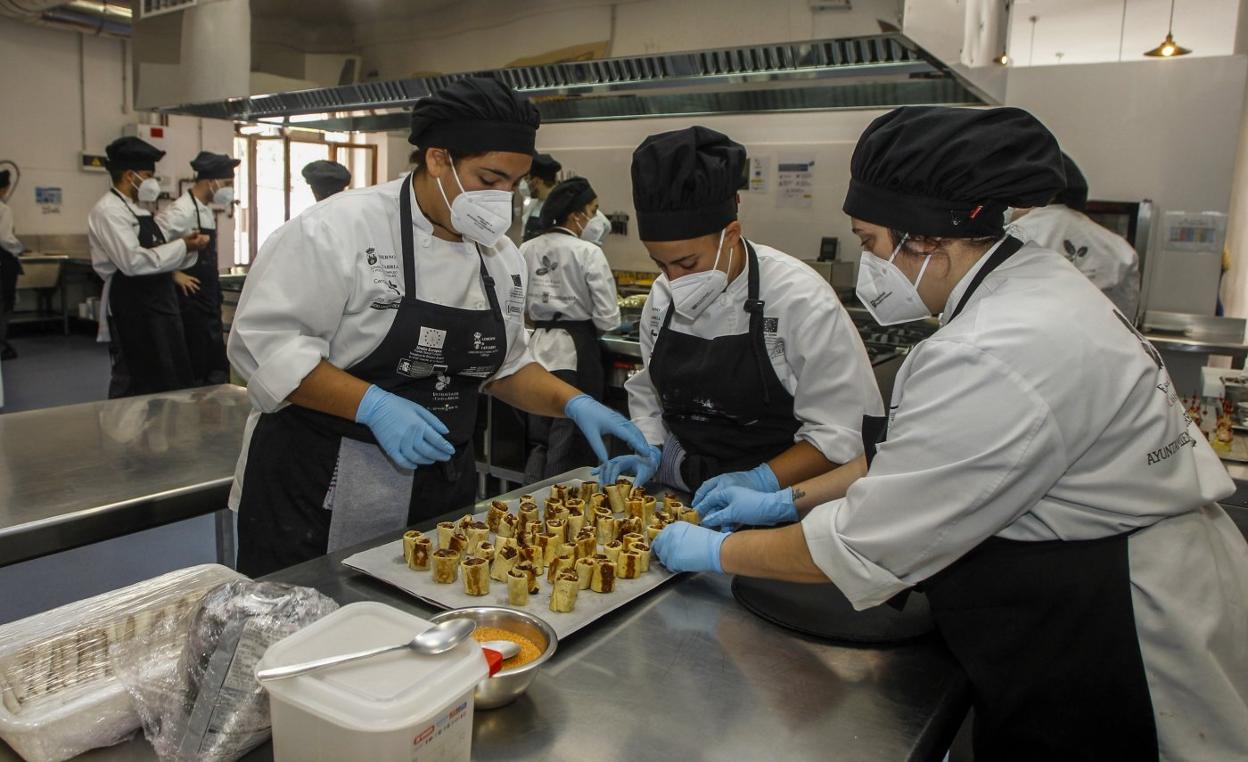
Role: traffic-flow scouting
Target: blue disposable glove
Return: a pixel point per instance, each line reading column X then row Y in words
column 595, row 419
column 408, row 433
column 684, row 547
column 730, row 507
column 642, row 467
column 760, row 479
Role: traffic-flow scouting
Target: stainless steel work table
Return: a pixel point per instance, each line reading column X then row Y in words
column 79, row 474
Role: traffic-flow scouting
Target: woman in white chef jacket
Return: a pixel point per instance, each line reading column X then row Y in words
column 754, row 372
column 571, row 300
column 1037, row 476
column 367, row 329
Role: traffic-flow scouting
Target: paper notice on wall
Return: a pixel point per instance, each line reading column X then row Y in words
column 48, row 199
column 760, row 174
column 795, row 181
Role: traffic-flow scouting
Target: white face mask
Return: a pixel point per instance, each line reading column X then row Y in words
column 148, row 189
column 595, row 231
column 223, row 196
column 523, row 189
column 482, row 216
column 693, row 293
column 887, row 293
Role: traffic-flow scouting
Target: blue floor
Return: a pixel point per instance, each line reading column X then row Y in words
column 54, row 370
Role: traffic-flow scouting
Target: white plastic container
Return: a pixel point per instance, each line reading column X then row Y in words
column 399, row 706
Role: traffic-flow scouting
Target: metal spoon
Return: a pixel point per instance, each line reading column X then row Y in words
column 435, row 640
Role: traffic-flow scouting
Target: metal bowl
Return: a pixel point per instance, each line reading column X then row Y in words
column 507, row 685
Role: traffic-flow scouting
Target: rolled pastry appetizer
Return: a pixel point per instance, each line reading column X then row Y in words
column 652, row 531
column 631, row 538
column 508, row 525
column 576, row 521
column 518, row 587
column 505, row 542
column 669, row 501
column 563, row 597
column 552, row 507
column 528, row 515
column 487, row 550
column 528, row 499
column 628, row 564
column 597, row 499
column 584, row 572
column 588, row 489
column 409, row 544
column 642, row 549
column 528, row 569
column 445, row 566
column 558, row 527
column 566, row 560
column 476, row 573
column 603, row 580
column 498, row 509
column 505, row 559
column 422, row 549
column 601, row 512
column 635, row 505
column 586, row 543
column 689, row 515
column 458, row 543
column 477, row 533
column 612, row 550
column 616, row 494
column 631, row 525
column 648, row 507
column 559, row 491
column 608, row 528
column 464, row 521
column 533, row 556
column 445, row 530
column 551, row 545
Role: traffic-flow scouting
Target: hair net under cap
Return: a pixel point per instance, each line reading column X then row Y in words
column 939, row 171
column 475, row 115
column 685, row 183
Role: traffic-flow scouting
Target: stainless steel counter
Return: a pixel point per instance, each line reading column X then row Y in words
column 78, row 474
column 613, row 344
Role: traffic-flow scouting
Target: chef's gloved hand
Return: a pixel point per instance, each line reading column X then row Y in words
column 685, row 547
column 408, row 433
column 595, row 419
column 642, row 467
column 760, row 479
column 730, row 507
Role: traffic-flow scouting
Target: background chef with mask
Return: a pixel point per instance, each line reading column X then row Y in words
column 368, row 327
column 139, row 306
column 542, row 178
column 326, row 178
column 199, row 286
column 752, row 366
column 1103, row 256
column 10, row 266
column 1037, row 475
column 571, row 300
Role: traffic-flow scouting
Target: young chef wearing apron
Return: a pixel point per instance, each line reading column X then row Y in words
column 571, row 300
column 542, row 178
column 367, row 329
column 139, row 306
column 199, row 286
column 1102, row 255
column 1037, row 476
column 751, row 363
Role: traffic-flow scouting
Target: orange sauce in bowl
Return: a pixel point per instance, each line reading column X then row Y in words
column 528, row 649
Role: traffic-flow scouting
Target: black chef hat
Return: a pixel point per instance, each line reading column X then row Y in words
column 328, row 175
column 5, row 176
column 1075, row 195
column 132, row 153
column 475, row 115
column 545, row 166
column 685, row 183
column 940, row 171
column 568, row 196
column 214, row 166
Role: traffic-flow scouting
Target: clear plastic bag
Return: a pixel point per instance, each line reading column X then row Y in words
column 59, row 696
column 208, row 707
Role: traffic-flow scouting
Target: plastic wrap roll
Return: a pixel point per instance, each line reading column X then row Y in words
column 563, row 596
column 584, row 572
column 476, row 573
column 445, row 566
column 518, row 587
column 603, row 580
column 505, row 560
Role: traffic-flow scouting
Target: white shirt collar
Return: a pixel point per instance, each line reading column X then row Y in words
column 419, row 220
column 956, row 296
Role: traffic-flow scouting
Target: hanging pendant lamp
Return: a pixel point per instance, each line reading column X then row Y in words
column 1168, row 47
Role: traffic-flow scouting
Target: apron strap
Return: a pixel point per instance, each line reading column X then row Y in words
column 160, row 234
column 487, row 282
column 1005, row 249
column 129, row 208
column 195, row 205
column 754, row 306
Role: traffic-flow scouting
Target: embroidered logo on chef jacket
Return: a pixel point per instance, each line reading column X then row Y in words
column 774, row 344
column 516, row 282
column 371, row 254
column 515, row 301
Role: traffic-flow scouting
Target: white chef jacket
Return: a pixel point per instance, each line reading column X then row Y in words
column 177, row 219
column 324, row 285
column 812, row 344
column 8, row 239
column 1038, row 413
column 113, row 239
column 568, row 277
column 1103, row 256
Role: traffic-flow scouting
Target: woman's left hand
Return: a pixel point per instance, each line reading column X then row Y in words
column 595, row 420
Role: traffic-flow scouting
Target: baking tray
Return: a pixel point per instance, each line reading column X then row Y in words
column 385, row 562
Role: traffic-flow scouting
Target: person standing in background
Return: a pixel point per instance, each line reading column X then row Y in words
column 139, row 307
column 326, row 178
column 10, row 267
column 571, row 300
column 537, row 185
column 199, row 286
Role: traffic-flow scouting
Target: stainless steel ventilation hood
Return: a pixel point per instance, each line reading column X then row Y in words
column 354, row 50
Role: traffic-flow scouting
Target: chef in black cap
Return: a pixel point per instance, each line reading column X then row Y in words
column 571, row 301
column 326, row 178
column 754, row 373
column 1102, row 255
column 542, row 178
column 367, row 329
column 200, row 285
column 1037, row 476
column 139, row 306
column 10, row 266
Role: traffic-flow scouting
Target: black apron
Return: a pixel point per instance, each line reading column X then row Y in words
column 721, row 397
column 433, row 355
column 146, row 325
column 590, row 375
column 1046, row 634
column 201, row 313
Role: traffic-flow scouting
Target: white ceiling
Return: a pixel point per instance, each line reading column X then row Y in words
column 1094, row 31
